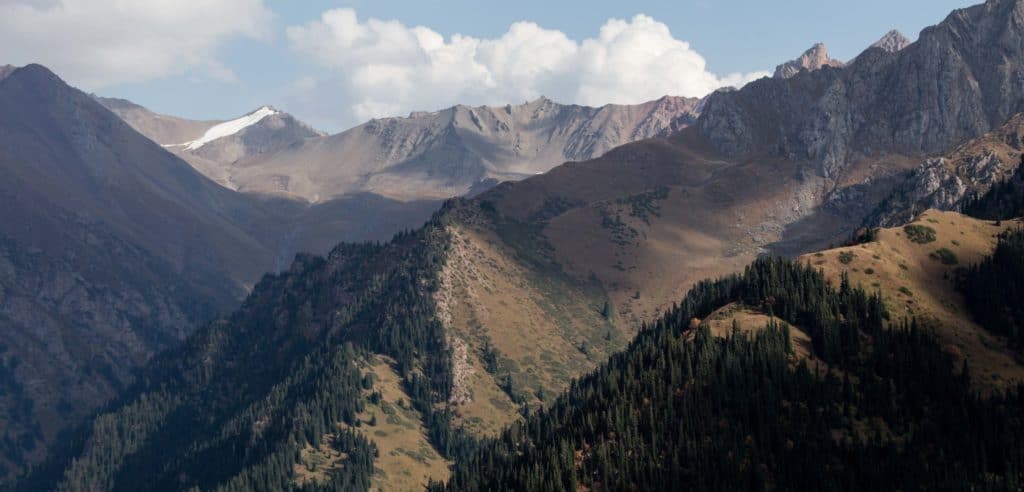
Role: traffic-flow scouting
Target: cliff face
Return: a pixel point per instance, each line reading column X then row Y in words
column 813, row 59
column 947, row 181
column 959, row 80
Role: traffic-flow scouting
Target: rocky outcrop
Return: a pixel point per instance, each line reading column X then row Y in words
column 892, row 42
column 946, row 182
column 959, row 80
column 814, row 58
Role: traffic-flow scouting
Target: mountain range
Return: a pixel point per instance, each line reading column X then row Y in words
column 390, row 365
column 118, row 246
column 427, row 155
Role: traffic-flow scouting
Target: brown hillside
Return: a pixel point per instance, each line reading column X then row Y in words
column 914, row 281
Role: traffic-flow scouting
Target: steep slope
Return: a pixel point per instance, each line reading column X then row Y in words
column 814, row 58
column 327, row 368
column 956, row 82
column 111, row 249
column 782, row 165
column 949, row 181
column 263, row 131
column 160, row 128
column 455, row 151
column 892, row 41
column 212, row 147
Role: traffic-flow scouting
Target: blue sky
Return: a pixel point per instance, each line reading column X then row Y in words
column 240, row 54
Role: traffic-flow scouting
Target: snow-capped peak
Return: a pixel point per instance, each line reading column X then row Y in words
column 231, row 127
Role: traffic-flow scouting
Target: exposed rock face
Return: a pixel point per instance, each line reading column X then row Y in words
column 813, row 59
column 892, row 42
column 945, row 182
column 455, row 151
column 960, row 79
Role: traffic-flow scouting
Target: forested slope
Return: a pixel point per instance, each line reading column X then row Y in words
column 234, row 407
column 681, row 409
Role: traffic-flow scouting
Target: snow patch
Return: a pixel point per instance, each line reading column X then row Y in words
column 230, row 127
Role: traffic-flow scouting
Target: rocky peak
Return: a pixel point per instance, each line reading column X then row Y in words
column 892, row 42
column 812, row 59
column 938, row 92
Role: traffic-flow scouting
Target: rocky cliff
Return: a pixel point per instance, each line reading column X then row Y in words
column 945, row 182
column 814, row 58
column 959, row 80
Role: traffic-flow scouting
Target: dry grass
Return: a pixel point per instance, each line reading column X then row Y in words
column 914, row 283
column 316, row 463
column 749, row 321
column 537, row 322
column 407, row 459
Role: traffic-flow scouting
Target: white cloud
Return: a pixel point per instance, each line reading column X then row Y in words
column 98, row 43
column 383, row 68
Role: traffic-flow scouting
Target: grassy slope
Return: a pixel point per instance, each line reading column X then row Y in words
column 913, row 283
column 718, row 214
column 533, row 263
column 750, row 320
column 406, row 461
column 545, row 328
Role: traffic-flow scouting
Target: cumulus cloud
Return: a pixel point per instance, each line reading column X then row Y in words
column 98, row 43
column 384, row 68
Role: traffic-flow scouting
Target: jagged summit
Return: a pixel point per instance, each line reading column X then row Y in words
column 814, row 58
column 892, row 42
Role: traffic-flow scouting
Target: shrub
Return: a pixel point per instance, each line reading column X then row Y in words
column 846, row 257
column 920, row 234
column 945, row 256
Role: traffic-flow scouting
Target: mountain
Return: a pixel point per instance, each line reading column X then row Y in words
column 213, row 147
column 949, row 181
column 160, row 128
column 340, row 372
column 813, row 59
column 452, row 152
column 263, row 131
column 953, row 84
column 112, row 249
column 380, row 365
column 892, row 41
column 774, row 378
